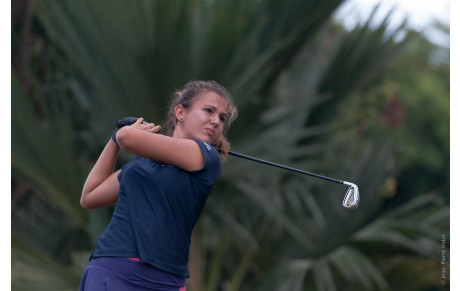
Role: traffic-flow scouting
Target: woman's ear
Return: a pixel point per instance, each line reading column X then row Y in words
column 179, row 111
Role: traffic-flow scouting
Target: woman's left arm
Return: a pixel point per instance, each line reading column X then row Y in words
column 101, row 187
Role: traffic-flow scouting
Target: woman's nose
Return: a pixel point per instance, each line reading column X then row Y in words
column 215, row 119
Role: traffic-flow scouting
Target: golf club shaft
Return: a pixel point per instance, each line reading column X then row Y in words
column 284, row 167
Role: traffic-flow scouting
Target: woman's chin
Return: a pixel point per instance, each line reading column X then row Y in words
column 208, row 139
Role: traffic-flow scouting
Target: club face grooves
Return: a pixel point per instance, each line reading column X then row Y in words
column 351, row 199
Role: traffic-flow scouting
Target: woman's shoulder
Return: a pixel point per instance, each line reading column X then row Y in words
column 208, row 150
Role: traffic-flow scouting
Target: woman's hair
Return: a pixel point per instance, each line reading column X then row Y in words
column 186, row 97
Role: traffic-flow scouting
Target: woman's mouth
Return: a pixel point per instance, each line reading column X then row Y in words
column 210, row 131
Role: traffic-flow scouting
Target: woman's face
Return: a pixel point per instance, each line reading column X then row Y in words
column 204, row 119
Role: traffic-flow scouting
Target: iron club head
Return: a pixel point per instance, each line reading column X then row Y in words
column 351, row 199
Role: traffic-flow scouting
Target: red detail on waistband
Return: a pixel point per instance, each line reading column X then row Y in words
column 136, row 259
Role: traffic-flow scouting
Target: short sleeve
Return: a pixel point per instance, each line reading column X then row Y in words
column 212, row 167
column 123, row 169
column 120, row 175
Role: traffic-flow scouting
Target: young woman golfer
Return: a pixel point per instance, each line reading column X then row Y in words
column 159, row 194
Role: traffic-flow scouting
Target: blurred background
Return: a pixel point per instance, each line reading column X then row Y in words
column 360, row 98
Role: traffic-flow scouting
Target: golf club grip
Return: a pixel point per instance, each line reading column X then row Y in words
column 284, row 167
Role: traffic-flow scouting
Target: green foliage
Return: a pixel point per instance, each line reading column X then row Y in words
column 424, row 90
column 45, row 164
column 310, row 95
column 34, row 270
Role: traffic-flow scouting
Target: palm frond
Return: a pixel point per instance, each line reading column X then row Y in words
column 44, row 154
column 33, row 270
column 410, row 226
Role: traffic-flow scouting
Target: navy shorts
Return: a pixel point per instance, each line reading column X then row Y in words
column 124, row 274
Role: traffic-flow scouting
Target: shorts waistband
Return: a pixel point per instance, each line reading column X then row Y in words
column 136, row 270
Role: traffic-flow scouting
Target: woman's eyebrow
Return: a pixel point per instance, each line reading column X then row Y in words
column 215, row 109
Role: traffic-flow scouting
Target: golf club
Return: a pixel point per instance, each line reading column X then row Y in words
column 351, row 199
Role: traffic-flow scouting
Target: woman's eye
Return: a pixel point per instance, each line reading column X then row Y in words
column 207, row 110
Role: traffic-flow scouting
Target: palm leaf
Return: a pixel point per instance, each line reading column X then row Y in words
column 44, row 155
column 33, row 270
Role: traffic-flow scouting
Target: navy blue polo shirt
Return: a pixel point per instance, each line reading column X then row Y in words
column 158, row 206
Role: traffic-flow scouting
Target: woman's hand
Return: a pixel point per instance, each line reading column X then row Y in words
column 149, row 127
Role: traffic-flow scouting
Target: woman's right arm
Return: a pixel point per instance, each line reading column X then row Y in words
column 102, row 186
column 138, row 139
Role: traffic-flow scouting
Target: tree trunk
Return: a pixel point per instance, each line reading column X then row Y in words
column 195, row 282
